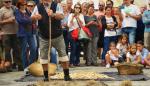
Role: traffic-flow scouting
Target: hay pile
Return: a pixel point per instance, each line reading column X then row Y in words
column 82, row 75
column 126, row 83
column 71, row 83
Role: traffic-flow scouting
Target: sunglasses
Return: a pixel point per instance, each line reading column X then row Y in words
column 77, row 7
column 108, row 4
column 101, row 5
column 7, row 1
column 23, row 4
column 30, row 5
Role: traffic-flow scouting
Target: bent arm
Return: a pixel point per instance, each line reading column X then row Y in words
column 59, row 15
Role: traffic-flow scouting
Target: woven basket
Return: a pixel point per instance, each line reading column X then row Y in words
column 129, row 69
column 36, row 69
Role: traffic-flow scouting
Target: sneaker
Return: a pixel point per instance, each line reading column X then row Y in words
column 108, row 66
column 71, row 66
column 26, row 72
column 77, row 65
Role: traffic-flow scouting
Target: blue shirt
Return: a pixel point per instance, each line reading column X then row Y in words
column 65, row 20
column 25, row 24
column 144, row 53
column 146, row 20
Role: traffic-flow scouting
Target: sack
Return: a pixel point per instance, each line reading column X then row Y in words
column 83, row 35
column 36, row 69
column 74, row 34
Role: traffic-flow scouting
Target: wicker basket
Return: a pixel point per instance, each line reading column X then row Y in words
column 129, row 69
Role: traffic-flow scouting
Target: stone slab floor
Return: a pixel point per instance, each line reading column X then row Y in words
column 7, row 79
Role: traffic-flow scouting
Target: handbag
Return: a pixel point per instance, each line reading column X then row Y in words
column 74, row 34
column 84, row 33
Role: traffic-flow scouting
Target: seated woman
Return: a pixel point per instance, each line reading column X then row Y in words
column 144, row 53
column 133, row 56
column 112, row 56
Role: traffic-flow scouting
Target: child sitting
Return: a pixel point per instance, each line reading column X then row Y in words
column 133, row 55
column 122, row 46
column 112, row 56
column 144, row 53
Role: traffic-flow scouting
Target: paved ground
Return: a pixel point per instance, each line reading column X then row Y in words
column 7, row 79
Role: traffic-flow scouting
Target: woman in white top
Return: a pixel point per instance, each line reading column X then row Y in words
column 74, row 20
column 109, row 24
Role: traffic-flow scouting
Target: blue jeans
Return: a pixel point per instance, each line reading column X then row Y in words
column 107, row 41
column 53, row 56
column 75, row 51
column 65, row 34
column 25, row 42
column 36, row 37
column 131, row 31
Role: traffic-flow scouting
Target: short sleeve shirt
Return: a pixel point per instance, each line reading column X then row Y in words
column 122, row 48
column 133, row 57
column 129, row 21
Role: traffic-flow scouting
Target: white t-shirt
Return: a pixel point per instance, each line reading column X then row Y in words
column 129, row 21
column 109, row 32
column 122, row 48
column 74, row 24
column 112, row 56
column 133, row 57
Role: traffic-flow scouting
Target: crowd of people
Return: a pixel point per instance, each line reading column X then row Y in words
column 29, row 30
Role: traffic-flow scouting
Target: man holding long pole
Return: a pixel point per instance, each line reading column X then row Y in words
column 51, row 30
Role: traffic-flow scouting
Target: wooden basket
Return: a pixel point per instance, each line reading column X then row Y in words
column 129, row 69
